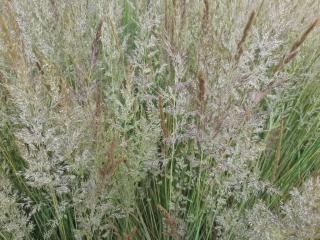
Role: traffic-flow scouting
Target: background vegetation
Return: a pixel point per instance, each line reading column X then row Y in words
column 171, row 119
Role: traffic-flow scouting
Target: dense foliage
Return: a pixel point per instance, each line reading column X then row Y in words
column 169, row 119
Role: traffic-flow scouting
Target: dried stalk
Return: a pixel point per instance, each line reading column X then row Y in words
column 286, row 59
column 294, row 49
column 173, row 21
column 96, row 44
column 134, row 232
column 111, row 163
column 170, row 222
column 115, row 33
column 245, row 35
column 201, row 89
column 205, row 18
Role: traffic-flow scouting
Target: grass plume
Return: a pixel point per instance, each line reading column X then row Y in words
column 245, row 34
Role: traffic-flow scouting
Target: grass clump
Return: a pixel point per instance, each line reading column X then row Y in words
column 159, row 120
